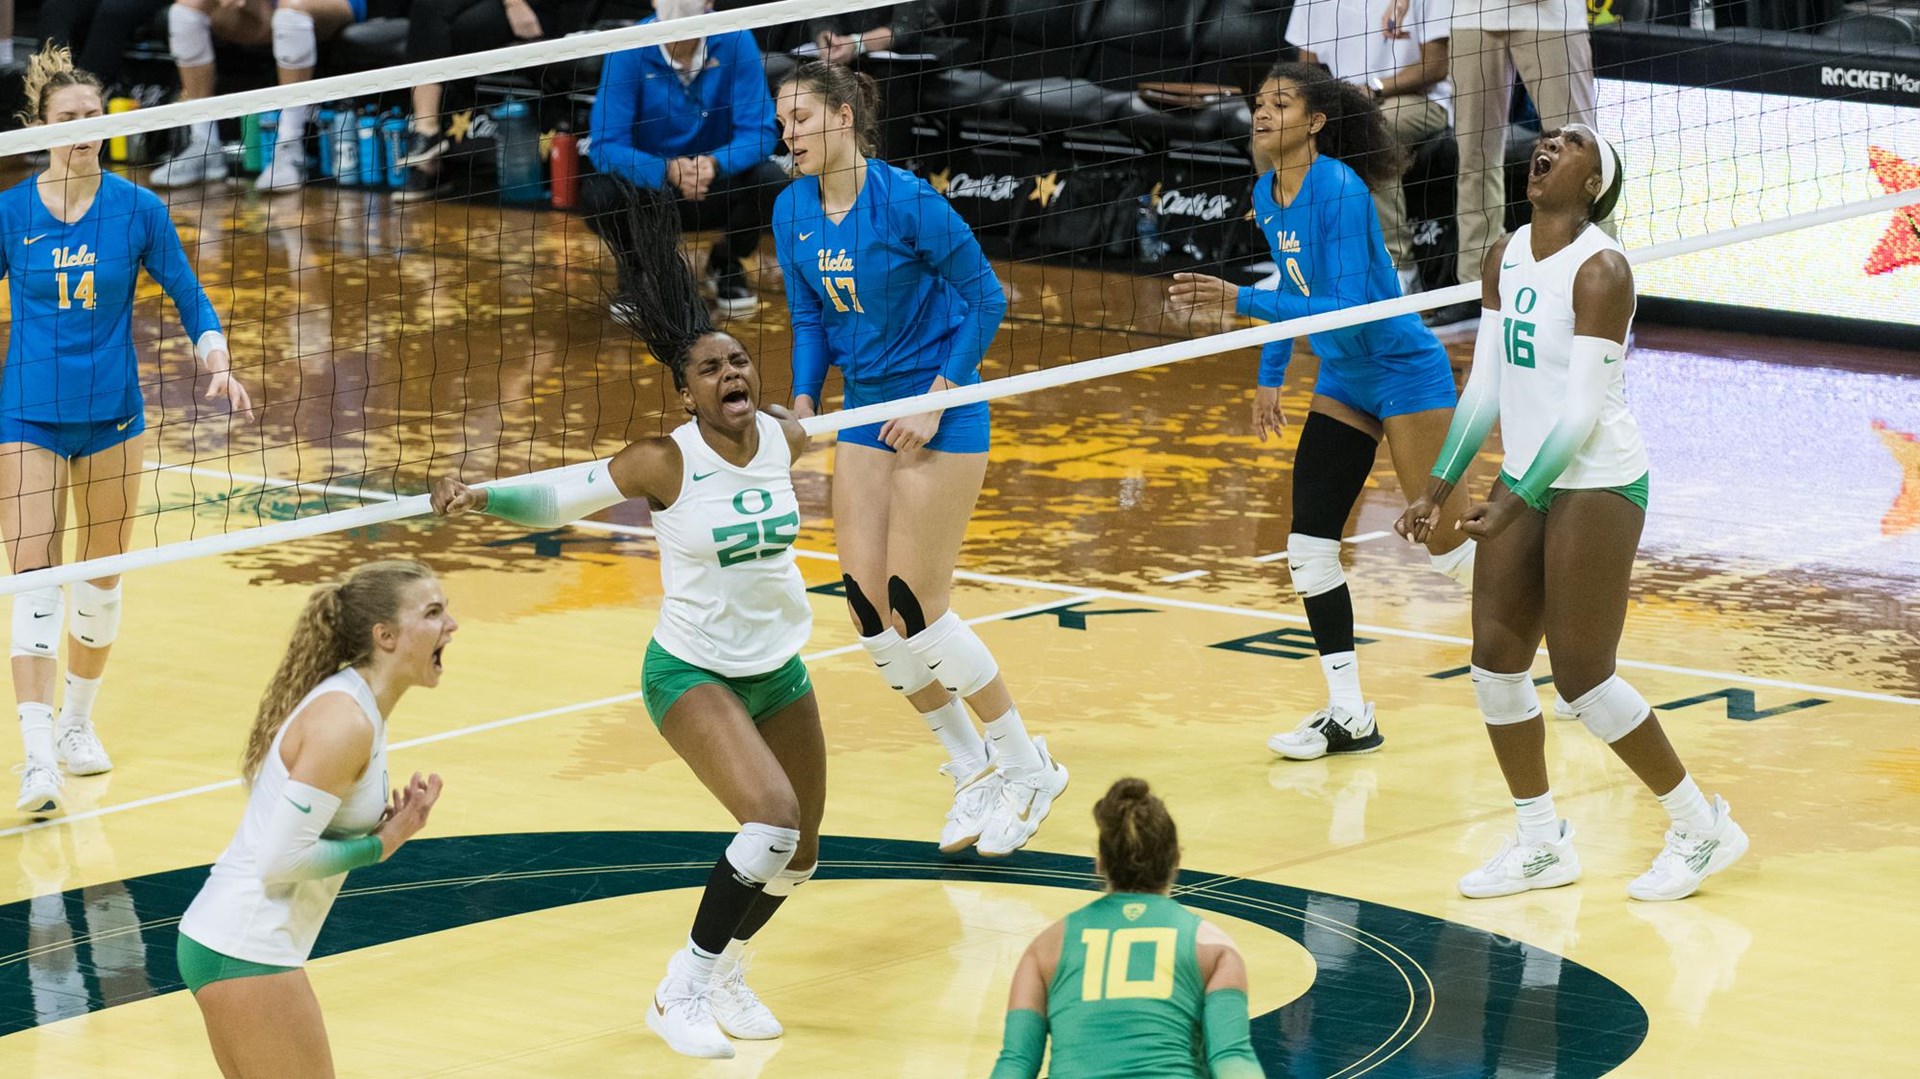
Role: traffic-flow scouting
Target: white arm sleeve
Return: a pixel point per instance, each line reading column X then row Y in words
column 557, row 502
column 291, row 848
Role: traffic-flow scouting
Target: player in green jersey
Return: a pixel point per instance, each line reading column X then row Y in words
column 1133, row 983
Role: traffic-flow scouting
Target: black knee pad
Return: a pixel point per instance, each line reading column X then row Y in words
column 906, row 605
column 870, row 621
column 1329, row 471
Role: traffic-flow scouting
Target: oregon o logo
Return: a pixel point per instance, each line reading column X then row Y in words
column 1524, row 302
column 766, row 500
column 1392, row 987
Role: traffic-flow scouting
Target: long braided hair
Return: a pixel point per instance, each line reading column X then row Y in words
column 655, row 288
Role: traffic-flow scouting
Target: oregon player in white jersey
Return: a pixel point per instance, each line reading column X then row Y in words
column 316, row 769
column 723, row 678
column 1559, row 531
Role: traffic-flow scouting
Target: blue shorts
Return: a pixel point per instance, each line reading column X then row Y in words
column 1384, row 392
column 71, row 440
column 967, row 429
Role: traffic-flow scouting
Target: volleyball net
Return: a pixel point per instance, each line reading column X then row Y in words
column 413, row 308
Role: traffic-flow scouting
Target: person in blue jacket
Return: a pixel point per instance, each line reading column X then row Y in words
column 1328, row 145
column 72, row 243
column 886, row 282
column 692, row 118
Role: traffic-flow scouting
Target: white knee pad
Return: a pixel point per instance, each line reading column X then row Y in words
column 760, row 851
column 295, row 45
column 189, row 36
column 1505, row 699
column 96, row 614
column 955, row 654
column 896, row 662
column 1612, row 709
column 785, row 881
column 1457, row 564
column 1315, row 562
column 36, row 621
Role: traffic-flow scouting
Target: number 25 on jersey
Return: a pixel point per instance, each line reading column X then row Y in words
column 81, row 291
column 763, row 538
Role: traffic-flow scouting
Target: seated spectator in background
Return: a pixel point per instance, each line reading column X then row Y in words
column 440, row 28
column 693, row 118
column 1407, row 76
column 98, row 31
column 295, row 28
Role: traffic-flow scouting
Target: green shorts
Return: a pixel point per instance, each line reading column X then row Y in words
column 201, row 966
column 665, row 678
column 1635, row 492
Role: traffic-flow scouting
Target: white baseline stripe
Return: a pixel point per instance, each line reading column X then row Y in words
column 462, row 732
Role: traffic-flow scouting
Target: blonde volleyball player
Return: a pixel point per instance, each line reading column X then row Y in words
column 1081, row 981
column 1558, row 534
column 723, row 678
column 317, row 806
column 887, row 283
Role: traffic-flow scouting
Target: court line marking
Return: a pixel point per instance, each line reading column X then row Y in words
column 1190, row 575
column 461, row 732
column 1169, row 601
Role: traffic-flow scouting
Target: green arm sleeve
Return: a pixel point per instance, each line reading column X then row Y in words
column 1588, row 370
column 1025, row 1043
column 1229, row 1040
column 1479, row 403
column 555, row 502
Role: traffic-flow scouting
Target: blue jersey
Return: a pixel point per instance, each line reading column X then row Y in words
column 895, row 294
column 644, row 116
column 71, row 357
column 1332, row 255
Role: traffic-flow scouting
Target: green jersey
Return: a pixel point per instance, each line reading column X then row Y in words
column 1128, row 998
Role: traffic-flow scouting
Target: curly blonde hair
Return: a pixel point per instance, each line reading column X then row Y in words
column 50, row 71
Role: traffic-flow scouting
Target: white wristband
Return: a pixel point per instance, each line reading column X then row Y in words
column 210, row 342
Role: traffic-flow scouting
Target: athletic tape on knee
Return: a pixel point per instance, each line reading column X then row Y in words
column 295, row 45
column 1457, row 564
column 864, row 612
column 96, row 614
column 1505, row 698
column 785, row 881
column 897, row 663
column 760, row 851
column 955, row 654
column 189, row 36
column 36, row 621
column 1612, row 709
column 1315, row 562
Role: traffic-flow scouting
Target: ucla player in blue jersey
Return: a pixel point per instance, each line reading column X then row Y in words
column 72, row 241
column 1328, row 145
column 886, row 282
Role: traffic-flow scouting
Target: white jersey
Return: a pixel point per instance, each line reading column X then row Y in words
column 241, row 915
column 1536, row 310
column 735, row 603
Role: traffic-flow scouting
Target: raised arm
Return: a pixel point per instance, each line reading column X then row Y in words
column 649, row 469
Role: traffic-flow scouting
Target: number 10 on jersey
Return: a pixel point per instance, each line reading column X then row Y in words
column 1110, row 956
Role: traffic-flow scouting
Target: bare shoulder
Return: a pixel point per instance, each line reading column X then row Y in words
column 1211, row 935
column 328, row 742
column 1045, row 948
column 1606, row 269
column 650, row 468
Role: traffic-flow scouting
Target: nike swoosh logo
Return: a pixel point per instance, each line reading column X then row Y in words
column 1265, row 221
column 1508, row 265
column 35, row 240
column 593, row 475
column 697, row 476
column 43, row 614
column 1341, row 666
column 1611, row 359
column 297, row 805
column 934, row 666
column 123, row 426
column 805, row 236
column 780, row 850
column 883, row 663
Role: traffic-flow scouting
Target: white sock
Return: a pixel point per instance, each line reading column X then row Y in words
column 1456, row 564
column 951, row 724
column 1343, row 682
column 36, row 731
column 1539, row 822
column 78, row 708
column 1011, row 744
column 202, row 139
column 694, row 964
column 292, row 130
column 1688, row 807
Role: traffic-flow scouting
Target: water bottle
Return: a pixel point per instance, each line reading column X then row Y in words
column 120, row 148
column 367, row 134
column 566, row 169
column 346, row 149
column 393, row 140
column 517, row 152
column 323, row 161
column 250, row 143
column 1152, row 247
column 269, row 137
